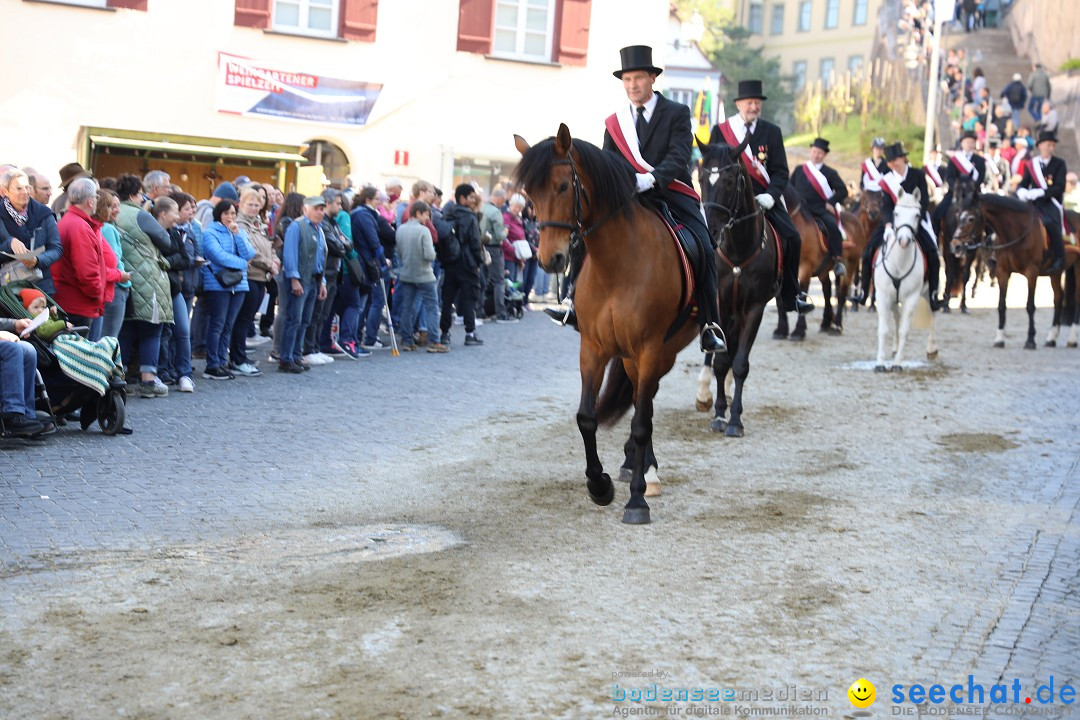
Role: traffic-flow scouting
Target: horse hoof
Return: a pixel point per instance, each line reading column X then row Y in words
column 896, row 368
column 1030, row 345
column 703, row 405
column 1051, row 343
column 652, row 489
column 1070, row 345
column 718, row 425
column 797, row 338
column 734, row 430
column 604, row 494
column 626, row 474
column 880, row 368
column 836, row 330
column 932, row 355
column 779, row 335
column 945, row 310
column 999, row 344
column 636, row 515
column 964, row 311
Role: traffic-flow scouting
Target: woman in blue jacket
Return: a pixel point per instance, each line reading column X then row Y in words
column 226, row 248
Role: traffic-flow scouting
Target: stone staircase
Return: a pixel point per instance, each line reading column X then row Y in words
column 992, row 49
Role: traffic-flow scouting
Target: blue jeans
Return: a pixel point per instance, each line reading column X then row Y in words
column 180, row 344
column 376, row 302
column 407, row 294
column 148, row 337
column 350, row 303
column 222, row 307
column 297, row 311
column 199, row 321
column 18, row 363
column 245, row 322
column 114, row 313
column 1035, row 108
column 97, row 326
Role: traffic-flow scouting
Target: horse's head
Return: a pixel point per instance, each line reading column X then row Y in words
column 725, row 185
column 574, row 187
column 906, row 216
column 965, row 216
column 870, row 204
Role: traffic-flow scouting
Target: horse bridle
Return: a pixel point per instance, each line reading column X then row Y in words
column 914, row 256
column 1033, row 221
column 577, row 232
column 733, row 218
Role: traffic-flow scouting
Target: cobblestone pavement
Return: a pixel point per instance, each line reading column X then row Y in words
column 908, row 527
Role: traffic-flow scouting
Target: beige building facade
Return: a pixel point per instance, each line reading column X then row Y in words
column 370, row 89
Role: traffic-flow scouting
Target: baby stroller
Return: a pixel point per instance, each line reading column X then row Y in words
column 513, row 299
column 57, row 393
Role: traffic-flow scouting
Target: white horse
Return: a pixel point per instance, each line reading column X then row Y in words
column 899, row 283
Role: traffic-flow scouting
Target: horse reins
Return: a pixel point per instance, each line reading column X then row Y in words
column 1033, row 222
column 914, row 257
column 577, row 233
column 724, row 231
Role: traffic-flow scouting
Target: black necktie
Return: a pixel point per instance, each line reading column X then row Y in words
column 640, row 125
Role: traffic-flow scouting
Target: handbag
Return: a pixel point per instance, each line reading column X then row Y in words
column 522, row 250
column 229, row 277
column 356, row 272
column 485, row 256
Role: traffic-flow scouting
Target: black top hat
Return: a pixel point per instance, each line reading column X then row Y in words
column 820, row 143
column 1047, row 135
column 993, row 142
column 636, row 57
column 750, row 89
column 896, row 150
column 969, row 134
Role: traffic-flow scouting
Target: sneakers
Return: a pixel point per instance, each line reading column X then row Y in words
column 160, row 387
column 408, row 346
column 437, row 347
column 376, row 345
column 422, row 338
column 150, row 390
column 19, row 425
column 186, row 385
column 246, row 369
column 313, row 359
column 354, row 351
column 472, row 340
column 333, row 351
column 217, row 374
column 288, row 367
column 325, row 358
column 444, row 339
column 257, row 341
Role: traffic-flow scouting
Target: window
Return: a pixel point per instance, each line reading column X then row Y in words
column 757, row 17
column 860, row 13
column 87, row 3
column 777, row 26
column 683, row 97
column 828, row 66
column 832, row 14
column 798, row 72
column 805, row 8
column 523, row 29
column 855, row 65
column 307, row 17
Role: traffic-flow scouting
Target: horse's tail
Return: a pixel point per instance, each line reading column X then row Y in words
column 616, row 396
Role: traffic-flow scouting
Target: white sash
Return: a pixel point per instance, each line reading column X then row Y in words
column 891, row 184
column 932, row 173
column 827, row 193
column 738, row 127
column 964, row 163
column 629, row 129
column 1036, row 171
column 1018, row 159
column 871, row 177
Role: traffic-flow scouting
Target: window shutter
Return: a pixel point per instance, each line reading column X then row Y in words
column 476, row 25
column 572, row 28
column 128, row 4
column 358, row 19
column 252, row 13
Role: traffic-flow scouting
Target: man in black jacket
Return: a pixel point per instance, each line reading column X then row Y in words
column 902, row 175
column 963, row 164
column 822, row 190
column 1043, row 185
column 766, row 160
column 461, row 277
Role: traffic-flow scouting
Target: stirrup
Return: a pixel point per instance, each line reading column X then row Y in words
column 561, row 315
column 718, row 333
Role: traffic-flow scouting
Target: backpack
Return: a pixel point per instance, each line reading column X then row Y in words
column 449, row 248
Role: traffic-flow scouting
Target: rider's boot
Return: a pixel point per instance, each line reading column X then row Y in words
column 865, row 275
column 712, row 336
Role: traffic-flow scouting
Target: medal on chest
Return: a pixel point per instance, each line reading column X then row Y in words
column 762, row 154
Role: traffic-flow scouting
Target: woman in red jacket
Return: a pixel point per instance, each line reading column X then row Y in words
column 80, row 273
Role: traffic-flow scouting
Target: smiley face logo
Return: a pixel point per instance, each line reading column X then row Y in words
column 862, row 693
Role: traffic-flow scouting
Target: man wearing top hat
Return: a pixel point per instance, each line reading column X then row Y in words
column 822, row 190
column 965, row 163
column 1042, row 183
column 902, row 176
column 766, row 161
column 997, row 167
column 653, row 134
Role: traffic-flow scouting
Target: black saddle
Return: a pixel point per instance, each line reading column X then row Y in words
column 685, row 236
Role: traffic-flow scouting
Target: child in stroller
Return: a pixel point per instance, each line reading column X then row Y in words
column 514, row 299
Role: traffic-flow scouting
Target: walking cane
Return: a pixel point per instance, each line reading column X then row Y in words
column 389, row 320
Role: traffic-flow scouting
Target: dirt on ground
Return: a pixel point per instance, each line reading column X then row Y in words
column 867, row 525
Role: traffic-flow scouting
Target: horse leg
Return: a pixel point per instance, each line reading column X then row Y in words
column 1031, row 278
column 950, row 263
column 1055, row 326
column 721, row 367
column 827, row 313
column 601, row 489
column 1072, row 303
column 1003, row 288
column 741, row 369
column 967, row 260
column 911, row 301
column 841, row 300
column 704, row 398
column 884, row 332
column 781, row 331
column 647, row 382
column 931, row 342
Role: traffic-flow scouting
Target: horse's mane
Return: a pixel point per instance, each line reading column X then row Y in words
column 1005, row 202
column 612, row 178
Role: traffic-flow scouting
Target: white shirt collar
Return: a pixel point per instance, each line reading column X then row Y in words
column 650, row 106
column 816, row 166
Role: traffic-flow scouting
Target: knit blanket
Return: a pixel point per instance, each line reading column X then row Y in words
column 88, row 363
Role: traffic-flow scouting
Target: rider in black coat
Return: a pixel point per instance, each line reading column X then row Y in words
column 1047, row 195
column 835, row 192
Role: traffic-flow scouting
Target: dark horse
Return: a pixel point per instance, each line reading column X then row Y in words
column 627, row 295
column 749, row 271
column 958, row 259
column 1019, row 248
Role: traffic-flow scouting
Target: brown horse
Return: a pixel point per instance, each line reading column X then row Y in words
column 628, row 294
column 858, row 228
column 814, row 261
column 1019, row 248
